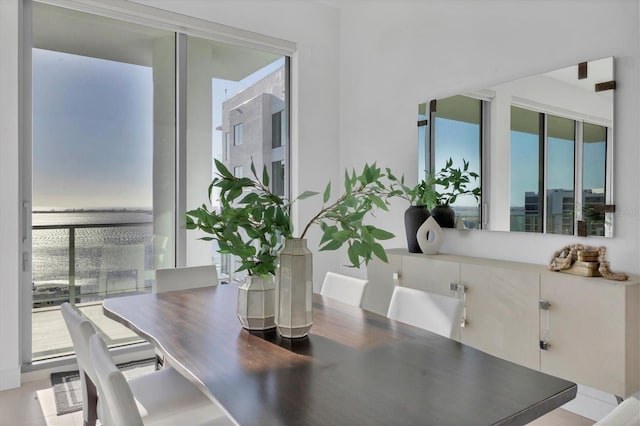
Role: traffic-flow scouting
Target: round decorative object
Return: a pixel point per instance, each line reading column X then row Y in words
column 256, row 303
column 430, row 236
column 444, row 215
column 294, row 289
column 414, row 216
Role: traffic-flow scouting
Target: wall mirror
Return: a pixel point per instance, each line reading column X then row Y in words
column 542, row 145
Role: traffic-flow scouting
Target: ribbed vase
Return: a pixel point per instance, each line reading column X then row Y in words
column 256, row 303
column 294, row 289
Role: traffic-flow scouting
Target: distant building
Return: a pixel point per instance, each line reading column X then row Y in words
column 560, row 212
column 254, row 126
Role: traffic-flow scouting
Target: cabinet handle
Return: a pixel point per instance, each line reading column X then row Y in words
column 545, row 305
column 460, row 289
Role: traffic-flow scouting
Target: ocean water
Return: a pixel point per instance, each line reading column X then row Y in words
column 107, row 259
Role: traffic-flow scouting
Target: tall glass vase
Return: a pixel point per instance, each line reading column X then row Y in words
column 294, row 289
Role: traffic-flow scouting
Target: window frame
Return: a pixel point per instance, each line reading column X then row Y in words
column 238, row 134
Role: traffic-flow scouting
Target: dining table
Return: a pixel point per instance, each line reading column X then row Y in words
column 354, row 367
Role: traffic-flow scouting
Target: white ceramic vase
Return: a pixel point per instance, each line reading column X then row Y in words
column 256, row 302
column 430, row 236
column 294, row 289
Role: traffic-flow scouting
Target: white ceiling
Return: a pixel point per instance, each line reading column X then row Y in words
column 69, row 31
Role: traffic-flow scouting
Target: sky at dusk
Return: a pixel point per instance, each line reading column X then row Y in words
column 92, row 132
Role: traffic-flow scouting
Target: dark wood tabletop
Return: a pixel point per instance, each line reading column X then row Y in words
column 354, row 368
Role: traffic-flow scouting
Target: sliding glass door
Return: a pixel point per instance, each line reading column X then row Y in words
column 126, row 122
column 103, row 120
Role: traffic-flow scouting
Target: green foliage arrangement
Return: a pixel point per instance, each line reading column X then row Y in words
column 342, row 221
column 422, row 194
column 439, row 189
column 451, row 182
column 252, row 222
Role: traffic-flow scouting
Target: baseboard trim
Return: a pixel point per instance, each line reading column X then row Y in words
column 10, row 379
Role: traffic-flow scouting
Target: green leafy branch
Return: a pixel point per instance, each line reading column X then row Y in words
column 250, row 228
column 342, row 220
column 252, row 221
column 451, row 182
column 422, row 194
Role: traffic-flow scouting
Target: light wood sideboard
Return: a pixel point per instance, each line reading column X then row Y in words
column 591, row 325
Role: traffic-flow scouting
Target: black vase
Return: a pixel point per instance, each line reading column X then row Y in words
column 444, row 215
column 414, row 217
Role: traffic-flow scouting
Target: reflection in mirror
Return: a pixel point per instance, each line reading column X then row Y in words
column 526, row 163
column 594, row 167
column 546, row 145
column 457, row 135
column 560, row 175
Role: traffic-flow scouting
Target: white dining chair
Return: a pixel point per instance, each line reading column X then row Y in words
column 171, row 279
column 129, row 403
column 343, row 288
column 182, row 278
column 160, row 396
column 433, row 312
column 625, row 414
column 81, row 330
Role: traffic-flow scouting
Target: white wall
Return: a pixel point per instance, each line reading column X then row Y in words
column 395, row 54
column 10, row 205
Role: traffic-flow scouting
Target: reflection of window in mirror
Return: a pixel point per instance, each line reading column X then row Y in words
column 457, row 134
column 560, row 175
column 567, row 198
column 594, row 154
column 526, row 163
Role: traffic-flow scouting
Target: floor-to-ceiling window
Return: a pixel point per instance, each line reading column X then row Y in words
column 102, row 116
column 113, row 169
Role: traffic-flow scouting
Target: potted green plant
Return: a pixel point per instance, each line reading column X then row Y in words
column 252, row 223
column 248, row 224
column 450, row 183
column 420, row 197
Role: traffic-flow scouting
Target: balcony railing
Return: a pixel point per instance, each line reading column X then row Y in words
column 89, row 262
column 83, row 264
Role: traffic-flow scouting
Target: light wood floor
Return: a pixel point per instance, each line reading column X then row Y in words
column 33, row 404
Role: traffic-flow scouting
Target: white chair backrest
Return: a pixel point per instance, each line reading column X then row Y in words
column 80, row 330
column 343, row 288
column 184, row 278
column 116, row 393
column 433, row 312
column 625, row 414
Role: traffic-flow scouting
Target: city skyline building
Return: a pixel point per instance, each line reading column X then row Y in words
column 254, row 128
